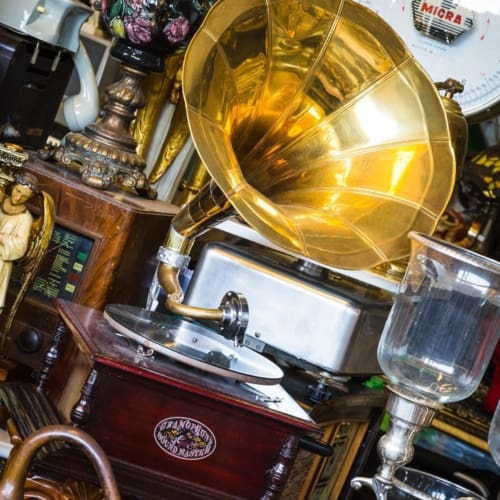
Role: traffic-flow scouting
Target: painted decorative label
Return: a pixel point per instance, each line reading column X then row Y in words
column 185, row 438
column 441, row 19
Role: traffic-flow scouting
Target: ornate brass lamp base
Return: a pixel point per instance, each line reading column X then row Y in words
column 105, row 152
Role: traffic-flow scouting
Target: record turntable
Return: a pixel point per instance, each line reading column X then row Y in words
column 185, row 341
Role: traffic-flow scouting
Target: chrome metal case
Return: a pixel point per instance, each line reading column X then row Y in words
column 330, row 322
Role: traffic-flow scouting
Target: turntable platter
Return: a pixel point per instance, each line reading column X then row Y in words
column 191, row 344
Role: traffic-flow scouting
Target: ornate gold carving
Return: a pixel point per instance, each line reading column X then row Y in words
column 157, row 88
column 177, row 135
column 105, row 152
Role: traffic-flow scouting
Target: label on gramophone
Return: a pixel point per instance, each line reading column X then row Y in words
column 185, row 438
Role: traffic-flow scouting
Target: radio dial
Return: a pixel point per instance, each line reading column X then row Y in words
column 29, row 341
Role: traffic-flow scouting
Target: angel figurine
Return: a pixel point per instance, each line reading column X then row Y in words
column 15, row 226
column 23, row 238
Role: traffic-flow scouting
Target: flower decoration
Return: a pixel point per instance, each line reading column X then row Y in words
column 176, row 30
column 138, row 28
column 159, row 26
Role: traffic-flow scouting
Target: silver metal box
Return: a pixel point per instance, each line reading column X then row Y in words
column 330, row 323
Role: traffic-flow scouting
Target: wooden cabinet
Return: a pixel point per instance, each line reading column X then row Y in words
column 103, row 250
column 169, row 430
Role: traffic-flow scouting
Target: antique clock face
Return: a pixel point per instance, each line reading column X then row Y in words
column 457, row 39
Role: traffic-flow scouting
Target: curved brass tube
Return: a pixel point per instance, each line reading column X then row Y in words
column 168, row 277
column 17, row 466
column 208, row 207
column 195, row 312
column 169, row 280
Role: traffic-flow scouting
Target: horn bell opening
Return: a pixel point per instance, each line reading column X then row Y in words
column 320, row 127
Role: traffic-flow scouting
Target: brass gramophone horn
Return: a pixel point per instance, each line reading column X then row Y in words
column 318, row 127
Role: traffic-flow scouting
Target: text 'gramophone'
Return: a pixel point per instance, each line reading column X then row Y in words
column 322, row 133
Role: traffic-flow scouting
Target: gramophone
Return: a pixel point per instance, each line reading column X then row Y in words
column 324, row 138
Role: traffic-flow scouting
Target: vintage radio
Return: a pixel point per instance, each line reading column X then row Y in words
column 101, row 251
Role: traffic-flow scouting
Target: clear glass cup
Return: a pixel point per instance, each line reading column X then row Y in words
column 445, row 322
column 431, row 485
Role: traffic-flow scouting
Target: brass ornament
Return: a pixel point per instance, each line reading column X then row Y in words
column 104, row 153
column 157, row 89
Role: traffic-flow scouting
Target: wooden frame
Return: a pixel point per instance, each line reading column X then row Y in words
column 350, row 425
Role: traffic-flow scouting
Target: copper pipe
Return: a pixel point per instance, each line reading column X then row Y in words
column 168, row 276
column 17, row 466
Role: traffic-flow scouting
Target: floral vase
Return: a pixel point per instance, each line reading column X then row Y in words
column 147, row 31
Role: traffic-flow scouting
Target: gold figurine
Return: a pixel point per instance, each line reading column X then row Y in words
column 161, row 90
column 177, row 135
column 157, row 89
